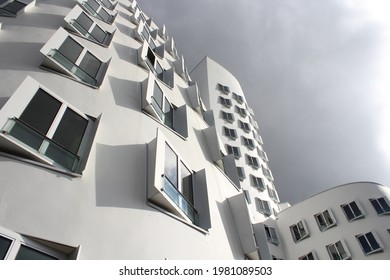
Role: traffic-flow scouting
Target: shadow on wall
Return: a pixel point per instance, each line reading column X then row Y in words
column 123, row 28
column 230, row 229
column 126, row 93
column 40, row 20
column 17, row 56
column 121, row 176
column 126, row 53
column 3, row 100
column 203, row 144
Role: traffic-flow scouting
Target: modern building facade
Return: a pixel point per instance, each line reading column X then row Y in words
column 111, row 149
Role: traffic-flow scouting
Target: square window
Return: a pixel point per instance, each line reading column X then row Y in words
column 309, row 256
column 96, row 10
column 369, row 243
column 253, row 162
column 325, row 220
column 338, row 251
column 224, row 89
column 266, row 172
column 225, row 102
column 263, row 206
column 258, row 182
column 381, row 205
column 241, row 111
column 299, row 231
column 352, row 211
column 235, row 151
column 272, row 194
column 238, row 98
column 245, row 126
column 12, row 8
column 229, row 132
column 249, row 143
column 241, row 173
column 229, row 117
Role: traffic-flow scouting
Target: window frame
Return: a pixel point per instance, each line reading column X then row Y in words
column 374, row 237
column 9, row 13
column 227, row 116
column 358, row 206
column 244, row 126
column 301, row 232
column 95, row 13
column 343, row 246
column 241, row 173
column 383, row 208
column 224, row 89
column 326, row 223
column 230, row 133
column 241, row 111
column 307, row 256
column 263, row 207
column 253, row 161
column 225, row 101
column 238, row 98
column 248, row 142
column 272, row 237
column 235, row 151
column 255, row 182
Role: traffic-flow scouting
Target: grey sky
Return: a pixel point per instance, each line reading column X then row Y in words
column 316, row 74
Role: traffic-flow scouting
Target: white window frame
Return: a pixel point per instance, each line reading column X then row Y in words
column 245, row 126
column 337, row 245
column 225, row 102
column 241, row 111
column 224, row 89
column 253, row 161
column 238, row 98
column 382, row 203
column 95, row 13
column 247, row 196
column 229, row 117
column 263, row 207
column 309, row 256
column 230, row 132
column 301, row 232
column 241, row 173
column 327, row 218
column 249, row 143
column 375, row 238
column 356, row 215
column 271, row 235
column 258, row 182
column 266, row 172
column 272, row 194
column 235, row 151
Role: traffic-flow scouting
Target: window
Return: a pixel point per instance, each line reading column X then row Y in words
column 238, row 98
column 229, row 132
column 94, row 8
column 369, row 243
column 352, row 211
column 271, row 235
column 82, row 24
column 235, row 151
column 12, row 8
column 163, row 108
column 309, row 256
column 249, row 143
column 257, row 137
column 224, row 89
column 275, row 258
column 338, row 251
column 258, row 182
column 225, row 102
column 228, row 116
column 244, row 126
column 299, row 231
column 263, row 207
column 241, row 173
column 272, row 194
column 253, row 162
column 174, row 187
column 267, row 173
column 52, row 129
column 325, row 220
column 241, row 111
column 247, row 196
column 5, row 245
column 108, row 4
column 262, row 154
column 381, row 205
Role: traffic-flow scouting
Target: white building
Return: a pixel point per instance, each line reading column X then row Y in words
column 110, row 149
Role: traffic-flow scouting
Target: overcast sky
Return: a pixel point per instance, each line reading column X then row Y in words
column 316, row 73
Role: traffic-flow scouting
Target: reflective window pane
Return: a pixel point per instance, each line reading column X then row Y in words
column 186, row 181
column 98, row 34
column 90, row 64
column 70, row 49
column 170, row 167
column 84, row 21
column 27, row 253
column 5, row 243
column 14, row 7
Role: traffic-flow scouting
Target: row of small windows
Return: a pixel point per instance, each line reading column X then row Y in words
column 326, row 219
column 226, row 90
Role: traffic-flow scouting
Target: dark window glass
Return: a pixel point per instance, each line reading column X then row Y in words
column 151, row 57
column 14, row 7
column 363, row 241
column 41, row 111
column 70, row 131
column 5, row 243
column 98, row 34
column 171, row 169
column 106, row 3
column 84, row 21
column 355, row 209
column 70, row 49
column 27, row 253
column 105, row 16
column 90, row 64
column 372, row 240
column 348, row 212
column 2, row 2
column 186, row 179
column 94, row 5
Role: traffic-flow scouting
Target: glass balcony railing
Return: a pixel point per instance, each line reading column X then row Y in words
column 83, row 31
column 180, row 200
column 73, row 68
column 41, row 144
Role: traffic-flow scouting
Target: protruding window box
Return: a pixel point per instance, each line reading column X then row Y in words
column 98, row 10
column 156, row 104
column 174, row 187
column 65, row 55
column 181, row 69
column 108, row 4
column 143, row 34
column 163, row 33
column 133, row 6
column 170, row 47
column 195, row 99
column 61, row 137
column 84, row 25
column 14, row 8
column 216, row 147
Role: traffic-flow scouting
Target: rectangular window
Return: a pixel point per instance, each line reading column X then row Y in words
column 253, row 162
column 96, row 10
column 325, row 220
column 338, row 251
column 241, row 111
column 271, row 235
column 369, row 243
column 249, row 143
column 241, row 173
column 266, row 172
column 262, row 154
column 224, row 89
column 238, row 98
column 299, row 231
column 258, row 182
column 225, row 102
column 352, row 211
column 28, row 253
column 53, row 129
column 245, row 126
column 381, row 205
column 263, row 207
column 228, row 117
column 5, row 245
column 89, row 29
column 11, row 8
column 309, row 256
column 235, row 151
column 229, row 132
column 272, row 194
column 247, row 197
